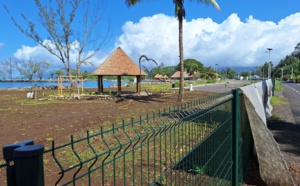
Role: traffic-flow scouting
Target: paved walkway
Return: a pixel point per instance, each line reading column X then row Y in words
column 224, row 87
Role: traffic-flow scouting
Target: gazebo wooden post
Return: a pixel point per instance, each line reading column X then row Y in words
column 119, row 85
column 100, row 84
column 138, row 84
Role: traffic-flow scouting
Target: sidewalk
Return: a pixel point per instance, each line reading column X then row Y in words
column 287, row 135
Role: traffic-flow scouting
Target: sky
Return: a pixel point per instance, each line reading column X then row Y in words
column 237, row 36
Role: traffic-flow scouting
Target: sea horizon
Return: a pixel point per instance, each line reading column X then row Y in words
column 25, row 84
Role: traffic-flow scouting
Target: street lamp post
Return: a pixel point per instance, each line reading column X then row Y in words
column 269, row 68
column 216, row 73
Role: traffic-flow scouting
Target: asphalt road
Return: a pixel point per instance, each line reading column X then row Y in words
column 232, row 84
column 292, row 92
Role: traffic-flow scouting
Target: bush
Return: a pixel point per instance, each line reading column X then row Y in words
column 211, row 81
column 177, row 84
column 278, row 86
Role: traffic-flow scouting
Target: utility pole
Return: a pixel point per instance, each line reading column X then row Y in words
column 216, row 73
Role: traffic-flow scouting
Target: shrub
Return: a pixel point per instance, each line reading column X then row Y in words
column 211, row 81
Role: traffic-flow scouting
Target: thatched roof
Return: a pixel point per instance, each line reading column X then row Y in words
column 177, row 75
column 166, row 77
column 158, row 76
column 118, row 64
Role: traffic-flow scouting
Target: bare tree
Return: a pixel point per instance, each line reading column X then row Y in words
column 2, row 74
column 8, row 66
column 42, row 67
column 58, row 19
column 27, row 68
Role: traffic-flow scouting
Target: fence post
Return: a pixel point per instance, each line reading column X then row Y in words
column 235, row 136
column 28, row 168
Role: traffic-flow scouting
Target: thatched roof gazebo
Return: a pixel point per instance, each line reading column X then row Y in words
column 158, row 76
column 118, row 64
column 176, row 75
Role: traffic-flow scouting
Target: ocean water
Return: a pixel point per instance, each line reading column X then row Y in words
column 86, row 84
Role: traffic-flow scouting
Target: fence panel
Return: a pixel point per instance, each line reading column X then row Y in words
column 186, row 145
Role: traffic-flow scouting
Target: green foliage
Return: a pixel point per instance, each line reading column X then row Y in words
column 289, row 67
column 191, row 66
column 59, row 72
column 278, row 86
column 228, row 73
column 275, row 116
column 168, row 70
column 88, row 75
column 277, row 101
column 208, row 73
column 211, row 81
column 177, row 84
column 245, row 74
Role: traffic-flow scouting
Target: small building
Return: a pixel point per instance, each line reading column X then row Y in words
column 158, row 76
column 118, row 64
column 176, row 75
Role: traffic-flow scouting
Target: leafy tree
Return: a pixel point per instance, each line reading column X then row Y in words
column 87, row 75
column 208, row 73
column 8, row 66
column 263, row 70
column 167, row 70
column 27, row 68
column 228, row 73
column 59, row 73
column 288, row 65
column 180, row 14
column 63, row 36
column 245, row 74
column 192, row 66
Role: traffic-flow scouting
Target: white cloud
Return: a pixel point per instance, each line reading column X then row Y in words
column 2, row 44
column 41, row 54
column 37, row 53
column 230, row 43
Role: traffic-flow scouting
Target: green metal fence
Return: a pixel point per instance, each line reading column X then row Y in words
column 204, row 142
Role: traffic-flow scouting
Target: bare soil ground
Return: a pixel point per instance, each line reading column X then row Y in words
column 43, row 121
column 24, row 119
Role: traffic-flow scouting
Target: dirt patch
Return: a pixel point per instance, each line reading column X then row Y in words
column 24, row 119
column 43, row 121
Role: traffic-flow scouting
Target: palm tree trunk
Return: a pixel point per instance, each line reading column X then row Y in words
column 181, row 90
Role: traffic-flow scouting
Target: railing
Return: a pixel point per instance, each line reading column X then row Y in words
column 204, row 142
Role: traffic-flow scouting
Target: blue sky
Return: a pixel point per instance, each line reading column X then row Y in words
column 235, row 37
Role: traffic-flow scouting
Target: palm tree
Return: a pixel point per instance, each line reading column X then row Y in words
column 180, row 14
